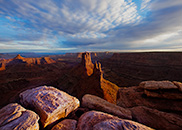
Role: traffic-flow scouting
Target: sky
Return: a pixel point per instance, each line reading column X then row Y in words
column 90, row 25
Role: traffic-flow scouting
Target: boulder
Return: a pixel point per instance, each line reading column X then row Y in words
column 67, row 124
column 99, row 104
column 94, row 120
column 164, row 94
column 157, row 119
column 154, row 85
column 50, row 103
column 15, row 117
column 179, row 85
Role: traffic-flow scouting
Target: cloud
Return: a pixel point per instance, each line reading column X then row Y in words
column 91, row 24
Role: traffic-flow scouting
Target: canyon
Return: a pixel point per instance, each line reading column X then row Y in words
column 129, row 90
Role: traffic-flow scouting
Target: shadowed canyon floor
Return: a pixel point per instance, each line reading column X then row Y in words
column 144, row 92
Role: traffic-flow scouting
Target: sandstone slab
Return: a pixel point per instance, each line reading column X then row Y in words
column 15, row 117
column 154, row 85
column 99, row 104
column 50, row 103
column 67, row 124
column 94, row 120
column 157, row 119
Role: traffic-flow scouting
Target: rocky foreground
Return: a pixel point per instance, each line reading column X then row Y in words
column 51, row 104
column 58, row 110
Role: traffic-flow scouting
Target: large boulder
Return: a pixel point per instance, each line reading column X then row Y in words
column 50, row 103
column 15, row 117
column 157, row 119
column 94, row 120
column 67, row 124
column 99, row 104
column 154, row 85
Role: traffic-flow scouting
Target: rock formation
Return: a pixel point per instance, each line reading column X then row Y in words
column 134, row 96
column 94, row 120
column 67, row 124
column 156, row 119
column 27, row 61
column 178, row 84
column 96, row 103
column 155, row 85
column 15, row 117
column 50, row 103
column 162, row 89
column 87, row 78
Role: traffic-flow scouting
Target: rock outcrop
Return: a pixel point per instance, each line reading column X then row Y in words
column 134, row 96
column 164, row 94
column 178, row 84
column 94, row 120
column 67, row 124
column 15, row 117
column 155, row 85
column 96, row 103
column 27, row 61
column 162, row 89
column 50, row 103
column 87, row 78
column 156, row 119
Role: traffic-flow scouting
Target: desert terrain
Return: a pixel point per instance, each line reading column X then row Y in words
column 144, row 86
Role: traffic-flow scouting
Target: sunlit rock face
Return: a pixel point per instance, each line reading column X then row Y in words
column 50, row 103
column 94, row 120
column 15, row 117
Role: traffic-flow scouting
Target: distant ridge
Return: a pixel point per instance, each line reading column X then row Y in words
column 28, row 61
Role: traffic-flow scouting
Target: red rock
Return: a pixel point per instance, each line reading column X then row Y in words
column 15, row 117
column 154, row 85
column 157, row 119
column 94, row 120
column 87, row 78
column 99, row 104
column 164, row 94
column 87, row 63
column 67, row 124
column 28, row 61
column 134, row 96
column 178, row 84
column 50, row 103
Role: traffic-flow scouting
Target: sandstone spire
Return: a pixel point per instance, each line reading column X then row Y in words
column 87, row 63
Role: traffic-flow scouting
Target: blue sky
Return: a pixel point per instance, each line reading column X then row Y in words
column 90, row 25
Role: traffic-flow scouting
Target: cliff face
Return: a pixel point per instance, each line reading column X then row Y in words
column 87, row 78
